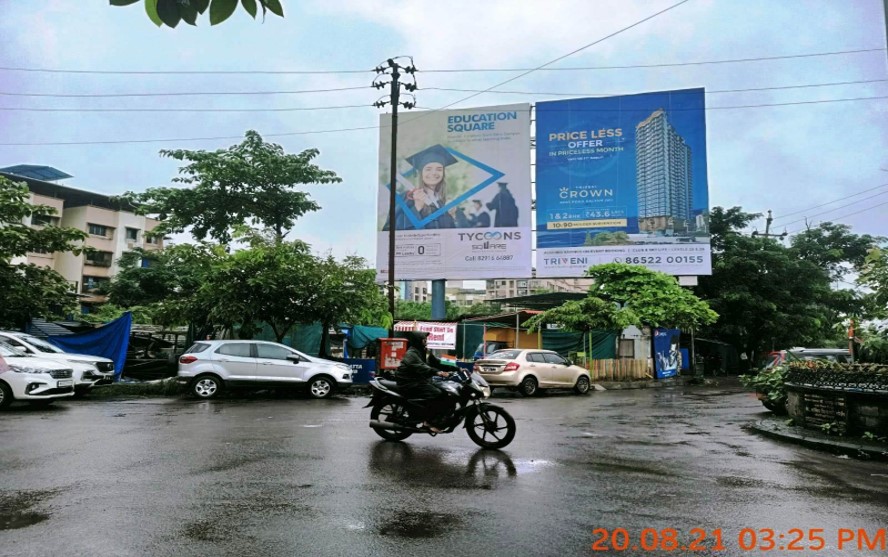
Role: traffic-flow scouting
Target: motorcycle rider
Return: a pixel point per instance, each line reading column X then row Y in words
column 414, row 377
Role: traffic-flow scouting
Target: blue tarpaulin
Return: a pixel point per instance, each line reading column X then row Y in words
column 110, row 340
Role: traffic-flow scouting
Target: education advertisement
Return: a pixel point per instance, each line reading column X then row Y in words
column 622, row 179
column 463, row 199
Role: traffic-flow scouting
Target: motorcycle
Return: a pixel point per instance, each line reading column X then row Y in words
column 488, row 425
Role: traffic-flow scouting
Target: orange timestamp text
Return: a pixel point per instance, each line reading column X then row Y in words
column 746, row 539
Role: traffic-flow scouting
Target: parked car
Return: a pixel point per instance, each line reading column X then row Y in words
column 528, row 371
column 210, row 366
column 492, row 346
column 35, row 380
column 840, row 355
column 89, row 371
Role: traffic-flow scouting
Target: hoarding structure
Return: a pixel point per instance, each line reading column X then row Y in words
column 622, row 179
column 463, row 201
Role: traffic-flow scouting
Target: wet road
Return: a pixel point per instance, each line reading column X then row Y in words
column 270, row 476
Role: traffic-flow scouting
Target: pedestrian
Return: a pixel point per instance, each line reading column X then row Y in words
column 504, row 205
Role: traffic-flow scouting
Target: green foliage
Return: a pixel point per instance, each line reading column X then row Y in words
column 172, row 12
column 770, row 382
column 247, row 184
column 829, row 428
column 834, row 248
column 874, row 275
column 422, row 311
column 28, row 291
column 626, row 295
column 109, row 312
column 771, row 296
column 874, row 348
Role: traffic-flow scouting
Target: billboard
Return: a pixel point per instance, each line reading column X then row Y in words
column 442, row 336
column 622, row 179
column 463, row 196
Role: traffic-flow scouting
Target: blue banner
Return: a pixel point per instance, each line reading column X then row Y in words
column 622, row 179
column 667, row 352
column 110, row 341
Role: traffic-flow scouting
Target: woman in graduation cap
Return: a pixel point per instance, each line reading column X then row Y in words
column 430, row 194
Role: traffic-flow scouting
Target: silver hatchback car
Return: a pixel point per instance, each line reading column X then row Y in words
column 209, row 366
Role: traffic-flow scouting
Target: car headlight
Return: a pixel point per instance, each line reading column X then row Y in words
column 19, row 368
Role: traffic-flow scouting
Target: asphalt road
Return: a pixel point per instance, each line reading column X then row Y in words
column 275, row 476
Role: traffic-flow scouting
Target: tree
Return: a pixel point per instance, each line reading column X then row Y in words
column 28, row 290
column 874, row 275
column 767, row 295
column 834, row 248
column 625, row 295
column 171, row 12
column 246, row 184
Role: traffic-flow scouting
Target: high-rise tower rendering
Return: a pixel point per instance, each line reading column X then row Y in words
column 663, row 175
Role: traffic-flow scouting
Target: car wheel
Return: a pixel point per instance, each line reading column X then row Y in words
column 321, row 387
column 582, row 386
column 206, row 386
column 5, row 395
column 528, row 386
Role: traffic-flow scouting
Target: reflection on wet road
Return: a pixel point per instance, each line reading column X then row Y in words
column 284, row 477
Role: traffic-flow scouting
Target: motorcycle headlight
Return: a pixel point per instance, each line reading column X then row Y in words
column 19, row 368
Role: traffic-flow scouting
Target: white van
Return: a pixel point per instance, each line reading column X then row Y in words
column 89, row 371
column 35, row 380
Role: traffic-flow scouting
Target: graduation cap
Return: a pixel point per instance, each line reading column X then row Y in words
column 435, row 153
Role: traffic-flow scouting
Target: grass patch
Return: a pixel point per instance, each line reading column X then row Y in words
column 161, row 388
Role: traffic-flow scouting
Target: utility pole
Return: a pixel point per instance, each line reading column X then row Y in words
column 391, row 68
column 767, row 233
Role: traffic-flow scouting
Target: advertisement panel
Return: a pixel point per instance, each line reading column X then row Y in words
column 442, row 336
column 622, row 179
column 667, row 348
column 463, row 194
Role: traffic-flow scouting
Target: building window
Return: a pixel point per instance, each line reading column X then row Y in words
column 38, row 219
column 99, row 258
column 99, row 230
column 92, row 285
column 154, row 240
column 627, row 348
column 132, row 234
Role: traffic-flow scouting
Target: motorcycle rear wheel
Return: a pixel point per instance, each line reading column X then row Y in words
column 389, row 412
column 491, row 427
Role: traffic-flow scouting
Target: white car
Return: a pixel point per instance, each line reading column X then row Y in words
column 35, row 380
column 530, row 371
column 211, row 365
column 89, row 371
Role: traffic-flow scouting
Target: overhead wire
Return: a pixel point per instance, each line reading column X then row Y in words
column 288, row 109
column 179, row 94
column 786, row 215
column 847, row 215
column 835, row 208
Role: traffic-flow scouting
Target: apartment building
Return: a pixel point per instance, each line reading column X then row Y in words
column 113, row 229
column 509, row 288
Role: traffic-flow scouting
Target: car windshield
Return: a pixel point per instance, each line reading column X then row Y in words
column 8, row 351
column 42, row 345
column 504, row 355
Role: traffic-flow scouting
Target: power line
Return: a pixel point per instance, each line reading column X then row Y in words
column 34, row 144
column 850, row 214
column 620, row 94
column 571, row 53
column 830, row 202
column 179, row 139
column 665, row 65
column 183, row 72
column 836, row 208
column 446, row 70
column 183, row 94
column 290, row 109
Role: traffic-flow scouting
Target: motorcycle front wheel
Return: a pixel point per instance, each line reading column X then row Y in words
column 390, row 412
column 491, row 427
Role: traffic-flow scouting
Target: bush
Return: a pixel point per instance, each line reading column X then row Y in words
column 769, row 382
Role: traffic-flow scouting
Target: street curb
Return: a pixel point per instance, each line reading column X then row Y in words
column 814, row 440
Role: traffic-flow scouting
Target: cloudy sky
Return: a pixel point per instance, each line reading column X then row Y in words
column 823, row 140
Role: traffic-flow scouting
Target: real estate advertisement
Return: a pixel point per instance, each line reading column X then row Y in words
column 463, row 196
column 622, row 179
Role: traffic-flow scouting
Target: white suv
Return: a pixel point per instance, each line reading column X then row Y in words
column 89, row 371
column 35, row 380
column 211, row 365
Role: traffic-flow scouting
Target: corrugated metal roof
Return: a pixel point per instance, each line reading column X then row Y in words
column 36, row 172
